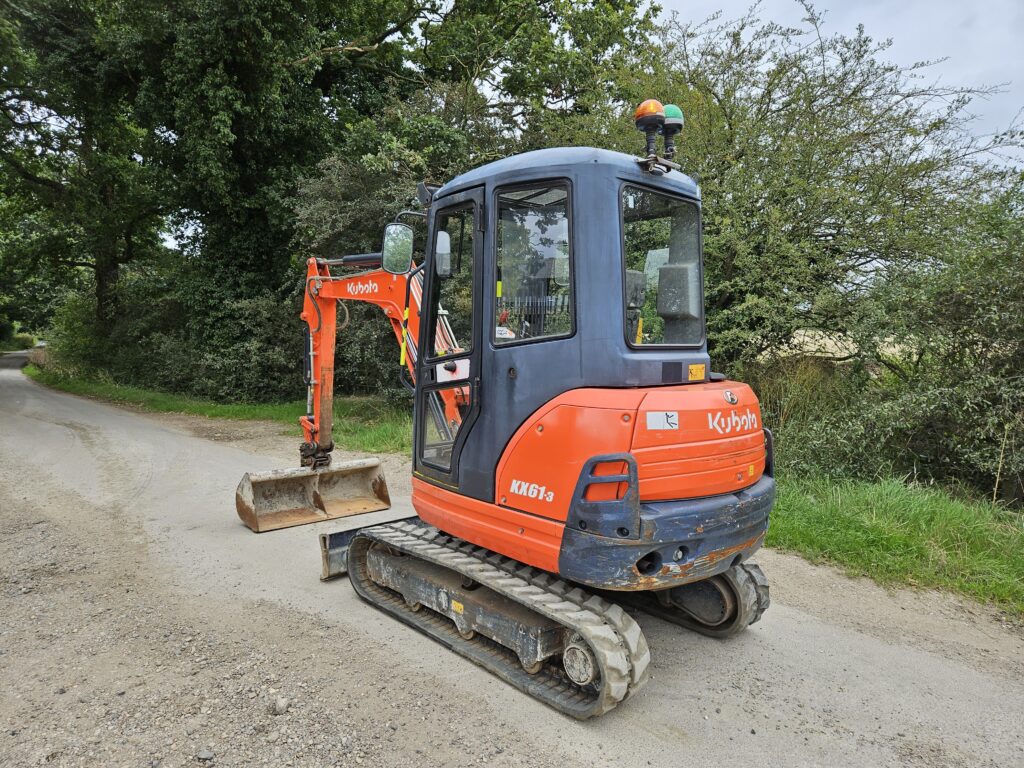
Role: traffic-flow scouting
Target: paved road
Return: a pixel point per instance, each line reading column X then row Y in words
column 14, row 360
column 839, row 672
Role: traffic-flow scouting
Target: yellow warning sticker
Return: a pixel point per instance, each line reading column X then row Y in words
column 697, row 372
column 458, row 607
column 750, row 470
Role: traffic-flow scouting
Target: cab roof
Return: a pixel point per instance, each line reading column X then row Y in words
column 571, row 162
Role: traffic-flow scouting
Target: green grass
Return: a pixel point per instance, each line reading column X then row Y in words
column 899, row 534
column 360, row 423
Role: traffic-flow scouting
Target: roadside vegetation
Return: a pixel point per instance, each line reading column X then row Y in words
column 12, row 338
column 361, row 423
column 892, row 532
column 17, row 343
column 900, row 534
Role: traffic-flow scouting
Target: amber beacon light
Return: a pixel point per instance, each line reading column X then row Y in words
column 649, row 117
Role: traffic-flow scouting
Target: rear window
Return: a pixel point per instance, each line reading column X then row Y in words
column 661, row 251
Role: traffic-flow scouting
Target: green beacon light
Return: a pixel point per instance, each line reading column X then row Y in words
column 673, row 125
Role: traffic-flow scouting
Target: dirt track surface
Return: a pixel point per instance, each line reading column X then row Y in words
column 141, row 624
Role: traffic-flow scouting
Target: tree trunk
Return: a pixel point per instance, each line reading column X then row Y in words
column 107, row 270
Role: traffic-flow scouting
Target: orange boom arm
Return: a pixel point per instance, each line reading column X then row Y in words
column 399, row 296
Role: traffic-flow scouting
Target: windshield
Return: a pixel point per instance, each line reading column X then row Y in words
column 661, row 249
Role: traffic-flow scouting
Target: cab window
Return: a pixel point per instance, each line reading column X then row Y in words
column 661, row 252
column 451, row 299
column 533, row 286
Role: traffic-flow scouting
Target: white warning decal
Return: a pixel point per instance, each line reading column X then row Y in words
column 663, row 419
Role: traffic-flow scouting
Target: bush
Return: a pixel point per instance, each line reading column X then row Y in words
column 844, row 421
column 178, row 334
column 250, row 351
column 807, row 402
column 24, row 340
column 938, row 428
column 75, row 343
column 12, row 338
column 948, row 401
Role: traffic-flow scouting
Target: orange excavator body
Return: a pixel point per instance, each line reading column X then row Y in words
column 596, row 482
column 568, row 433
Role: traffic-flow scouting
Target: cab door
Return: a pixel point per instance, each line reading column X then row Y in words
column 448, row 365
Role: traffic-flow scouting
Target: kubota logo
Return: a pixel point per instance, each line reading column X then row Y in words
column 359, row 289
column 732, row 421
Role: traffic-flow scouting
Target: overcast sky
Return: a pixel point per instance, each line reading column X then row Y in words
column 982, row 40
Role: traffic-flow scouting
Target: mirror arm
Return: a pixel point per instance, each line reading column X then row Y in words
column 354, row 260
column 416, row 214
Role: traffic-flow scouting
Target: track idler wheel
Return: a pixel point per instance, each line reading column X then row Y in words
column 579, row 662
column 720, row 606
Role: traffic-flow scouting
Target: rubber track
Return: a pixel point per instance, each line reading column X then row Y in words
column 614, row 637
column 749, row 586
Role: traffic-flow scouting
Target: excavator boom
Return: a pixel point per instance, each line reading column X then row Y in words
column 320, row 489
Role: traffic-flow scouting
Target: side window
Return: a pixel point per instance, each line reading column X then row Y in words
column 452, row 294
column 533, row 289
column 441, row 418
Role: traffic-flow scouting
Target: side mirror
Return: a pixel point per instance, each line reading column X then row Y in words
column 396, row 253
column 443, row 255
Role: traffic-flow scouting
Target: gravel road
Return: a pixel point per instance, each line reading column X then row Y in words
column 141, row 624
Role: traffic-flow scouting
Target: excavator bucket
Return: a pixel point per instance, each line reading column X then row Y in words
column 282, row 498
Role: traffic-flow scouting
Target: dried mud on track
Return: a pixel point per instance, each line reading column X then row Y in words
column 141, row 624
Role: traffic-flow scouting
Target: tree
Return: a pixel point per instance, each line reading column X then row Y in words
column 481, row 79
column 951, row 338
column 70, row 151
column 822, row 167
column 36, row 270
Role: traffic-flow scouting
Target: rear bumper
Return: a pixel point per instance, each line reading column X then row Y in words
column 707, row 536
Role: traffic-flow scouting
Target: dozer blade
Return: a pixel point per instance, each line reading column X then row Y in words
column 282, row 498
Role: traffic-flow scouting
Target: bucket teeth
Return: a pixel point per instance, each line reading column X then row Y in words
column 282, row 498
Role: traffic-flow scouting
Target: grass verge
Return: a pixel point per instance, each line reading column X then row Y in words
column 899, row 534
column 360, row 423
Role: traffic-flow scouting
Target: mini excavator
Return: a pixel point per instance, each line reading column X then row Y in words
column 573, row 452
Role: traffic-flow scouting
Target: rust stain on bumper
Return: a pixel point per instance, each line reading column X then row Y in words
column 705, row 566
